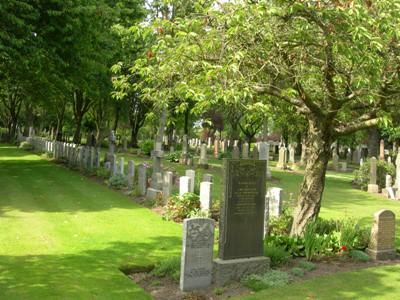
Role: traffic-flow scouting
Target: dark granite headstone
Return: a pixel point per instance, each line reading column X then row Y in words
column 242, row 209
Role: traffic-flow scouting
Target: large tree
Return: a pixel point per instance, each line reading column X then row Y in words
column 336, row 64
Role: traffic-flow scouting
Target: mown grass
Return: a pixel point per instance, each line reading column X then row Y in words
column 64, row 236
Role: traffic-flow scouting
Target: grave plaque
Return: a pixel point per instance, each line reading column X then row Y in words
column 242, row 209
column 197, row 253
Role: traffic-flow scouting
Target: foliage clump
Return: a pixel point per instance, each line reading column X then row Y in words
column 169, row 267
column 146, row 147
column 26, row 146
column 181, row 207
column 362, row 175
column 273, row 278
column 118, row 181
column 278, row 255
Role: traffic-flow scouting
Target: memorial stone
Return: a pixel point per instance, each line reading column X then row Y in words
column 382, row 150
column 142, row 179
column 241, row 223
column 192, row 175
column 184, row 185
column 131, row 174
column 205, row 196
column 335, row 161
column 372, row 186
column 203, row 162
column 216, row 143
column 207, row 177
column 382, row 245
column 245, row 151
column 275, row 202
column 236, row 152
column 197, row 254
column 168, row 184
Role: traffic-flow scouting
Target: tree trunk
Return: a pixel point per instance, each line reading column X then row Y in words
column 309, row 202
column 77, row 133
column 134, row 137
column 373, row 142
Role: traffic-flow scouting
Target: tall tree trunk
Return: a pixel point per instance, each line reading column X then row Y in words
column 117, row 115
column 134, row 137
column 77, row 133
column 373, row 141
column 309, row 202
column 81, row 107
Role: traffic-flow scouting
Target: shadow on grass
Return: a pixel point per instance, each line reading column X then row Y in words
column 40, row 185
column 92, row 274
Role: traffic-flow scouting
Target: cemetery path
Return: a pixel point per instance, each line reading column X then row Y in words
column 63, row 236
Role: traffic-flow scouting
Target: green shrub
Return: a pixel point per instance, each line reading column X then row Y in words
column 281, row 225
column 118, row 181
column 146, row 147
column 299, row 272
column 103, row 173
column 313, row 243
column 307, row 265
column 293, row 245
column 362, row 175
column 181, row 207
column 168, row 267
column 348, row 234
column 26, row 146
column 278, row 255
column 323, row 226
column 131, row 268
column 218, row 291
column 173, row 156
column 359, row 255
column 270, row 279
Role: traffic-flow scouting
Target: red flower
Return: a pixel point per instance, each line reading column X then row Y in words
column 344, row 248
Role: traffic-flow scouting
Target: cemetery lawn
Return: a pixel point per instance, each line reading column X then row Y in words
column 63, row 236
column 373, row 283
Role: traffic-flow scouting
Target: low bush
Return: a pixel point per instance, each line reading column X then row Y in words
column 278, row 255
column 103, row 173
column 359, row 255
column 293, row 245
column 146, row 147
column 168, row 267
column 273, row 278
column 313, row 243
column 352, row 236
column 173, row 156
column 26, row 146
column 307, row 265
column 362, row 175
column 298, row 272
column 118, row 181
column 181, row 207
column 281, row 225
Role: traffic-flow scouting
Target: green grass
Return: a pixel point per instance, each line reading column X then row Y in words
column 340, row 199
column 373, row 283
column 64, row 236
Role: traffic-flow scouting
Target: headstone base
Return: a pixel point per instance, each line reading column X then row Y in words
column 382, row 255
column 153, row 194
column 373, row 188
column 226, row 271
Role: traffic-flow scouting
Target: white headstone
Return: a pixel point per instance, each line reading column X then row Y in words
column 275, row 201
column 184, row 185
column 205, row 196
column 192, row 175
